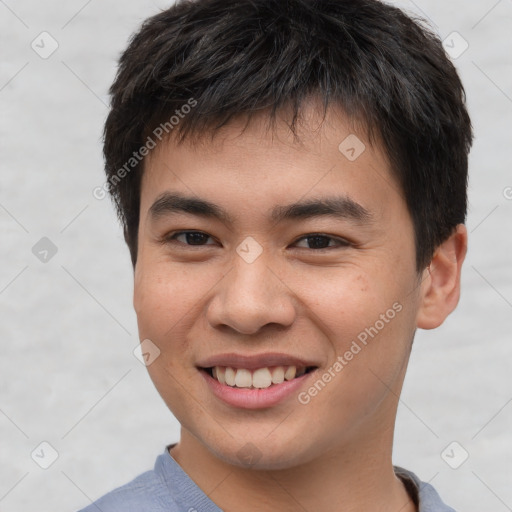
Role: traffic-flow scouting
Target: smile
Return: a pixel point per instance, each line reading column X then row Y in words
column 261, row 378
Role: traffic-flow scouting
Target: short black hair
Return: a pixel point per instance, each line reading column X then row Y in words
column 192, row 68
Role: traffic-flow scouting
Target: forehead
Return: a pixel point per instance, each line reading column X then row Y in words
column 257, row 161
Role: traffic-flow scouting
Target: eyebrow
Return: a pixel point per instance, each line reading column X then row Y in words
column 338, row 206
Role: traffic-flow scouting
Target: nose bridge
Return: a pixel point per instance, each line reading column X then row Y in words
column 250, row 296
column 251, row 282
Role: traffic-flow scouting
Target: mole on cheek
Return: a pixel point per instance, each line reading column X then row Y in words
column 362, row 282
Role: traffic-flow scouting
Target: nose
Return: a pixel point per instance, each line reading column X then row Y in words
column 250, row 297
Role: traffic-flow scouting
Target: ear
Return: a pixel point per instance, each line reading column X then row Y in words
column 440, row 287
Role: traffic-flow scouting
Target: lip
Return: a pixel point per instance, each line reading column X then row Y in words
column 255, row 398
column 254, row 362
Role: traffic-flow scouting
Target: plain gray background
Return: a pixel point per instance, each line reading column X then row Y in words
column 68, row 374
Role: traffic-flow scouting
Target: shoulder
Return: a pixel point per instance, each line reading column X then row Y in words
column 166, row 488
column 427, row 498
column 147, row 492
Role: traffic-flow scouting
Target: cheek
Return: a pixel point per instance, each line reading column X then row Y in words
column 163, row 296
column 367, row 319
column 343, row 301
column 166, row 299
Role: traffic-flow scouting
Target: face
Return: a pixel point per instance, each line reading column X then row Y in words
column 233, row 283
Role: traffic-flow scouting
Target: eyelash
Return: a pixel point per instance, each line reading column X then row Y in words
column 172, row 238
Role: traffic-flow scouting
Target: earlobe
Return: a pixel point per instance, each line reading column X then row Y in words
column 440, row 287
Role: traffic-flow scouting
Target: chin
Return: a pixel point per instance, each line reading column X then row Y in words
column 260, row 454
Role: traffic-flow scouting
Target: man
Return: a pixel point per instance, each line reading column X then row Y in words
column 291, row 177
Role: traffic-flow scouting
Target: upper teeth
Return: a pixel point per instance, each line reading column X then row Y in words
column 260, row 378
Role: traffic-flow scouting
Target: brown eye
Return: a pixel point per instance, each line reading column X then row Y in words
column 318, row 241
column 196, row 238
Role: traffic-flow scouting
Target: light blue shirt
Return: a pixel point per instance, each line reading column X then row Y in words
column 167, row 488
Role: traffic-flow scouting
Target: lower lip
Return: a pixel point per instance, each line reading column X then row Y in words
column 248, row 398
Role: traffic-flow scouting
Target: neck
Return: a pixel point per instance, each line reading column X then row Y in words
column 356, row 476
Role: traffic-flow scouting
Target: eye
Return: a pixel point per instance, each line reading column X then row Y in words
column 188, row 237
column 314, row 241
column 319, row 241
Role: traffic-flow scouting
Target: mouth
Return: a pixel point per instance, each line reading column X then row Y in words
column 258, row 378
column 256, row 381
